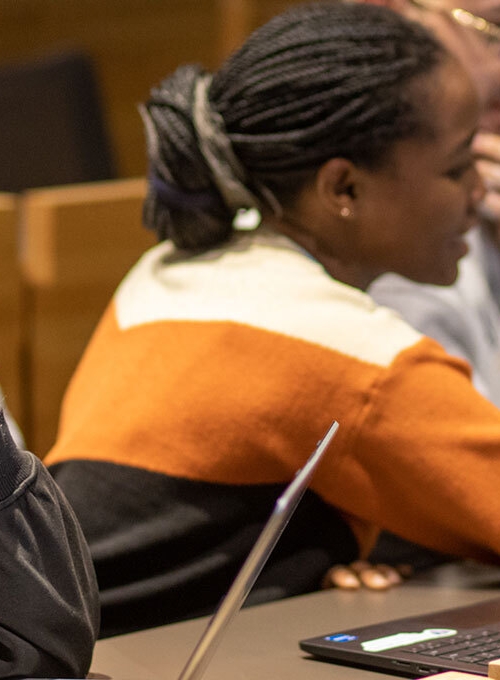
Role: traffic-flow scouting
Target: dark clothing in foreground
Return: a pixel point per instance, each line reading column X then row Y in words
column 49, row 612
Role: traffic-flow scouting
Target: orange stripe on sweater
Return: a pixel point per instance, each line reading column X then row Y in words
column 221, row 402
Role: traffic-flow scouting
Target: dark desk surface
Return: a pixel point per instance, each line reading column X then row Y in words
column 262, row 641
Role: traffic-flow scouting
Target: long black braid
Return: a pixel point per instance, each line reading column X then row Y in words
column 321, row 80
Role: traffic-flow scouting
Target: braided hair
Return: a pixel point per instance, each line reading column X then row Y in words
column 322, row 80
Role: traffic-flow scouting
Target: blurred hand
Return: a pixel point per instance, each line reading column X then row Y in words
column 486, row 148
column 361, row 574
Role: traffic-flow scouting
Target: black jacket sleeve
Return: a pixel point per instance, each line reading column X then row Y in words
column 49, row 609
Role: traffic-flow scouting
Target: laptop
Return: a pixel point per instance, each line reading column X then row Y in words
column 257, row 558
column 459, row 639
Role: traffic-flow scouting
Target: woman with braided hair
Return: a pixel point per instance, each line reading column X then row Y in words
column 226, row 352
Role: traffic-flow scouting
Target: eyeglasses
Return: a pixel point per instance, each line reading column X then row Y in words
column 488, row 31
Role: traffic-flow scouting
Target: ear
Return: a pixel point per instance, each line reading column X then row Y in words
column 337, row 186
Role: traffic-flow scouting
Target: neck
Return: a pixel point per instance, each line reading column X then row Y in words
column 348, row 273
column 340, row 268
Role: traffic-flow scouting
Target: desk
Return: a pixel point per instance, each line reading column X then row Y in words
column 262, row 641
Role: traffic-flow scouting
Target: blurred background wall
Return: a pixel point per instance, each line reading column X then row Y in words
column 132, row 44
column 71, row 75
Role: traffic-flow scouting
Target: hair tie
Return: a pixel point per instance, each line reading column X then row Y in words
column 173, row 196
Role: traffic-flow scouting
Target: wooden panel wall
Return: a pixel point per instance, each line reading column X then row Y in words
column 134, row 44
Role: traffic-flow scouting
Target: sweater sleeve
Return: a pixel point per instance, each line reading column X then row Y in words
column 49, row 611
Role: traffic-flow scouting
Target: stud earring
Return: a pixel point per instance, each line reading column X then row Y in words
column 345, row 212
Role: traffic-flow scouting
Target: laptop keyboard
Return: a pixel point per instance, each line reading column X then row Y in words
column 478, row 647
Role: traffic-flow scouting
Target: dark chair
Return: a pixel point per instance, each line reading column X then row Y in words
column 52, row 129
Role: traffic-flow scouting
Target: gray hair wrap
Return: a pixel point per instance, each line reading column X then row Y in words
column 215, row 146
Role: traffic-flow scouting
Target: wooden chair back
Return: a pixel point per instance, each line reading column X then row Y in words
column 78, row 243
column 10, row 304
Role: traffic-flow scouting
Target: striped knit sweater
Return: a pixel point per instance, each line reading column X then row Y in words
column 207, row 383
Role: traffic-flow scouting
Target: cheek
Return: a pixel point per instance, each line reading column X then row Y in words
column 445, row 210
column 425, row 213
column 442, row 243
column 445, row 204
column 414, row 218
column 428, row 223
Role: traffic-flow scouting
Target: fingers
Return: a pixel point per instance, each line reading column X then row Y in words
column 377, row 577
column 489, row 209
column 363, row 574
column 490, row 173
column 486, row 145
column 341, row 576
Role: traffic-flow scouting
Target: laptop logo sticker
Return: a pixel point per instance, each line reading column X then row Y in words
column 402, row 639
column 341, row 637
